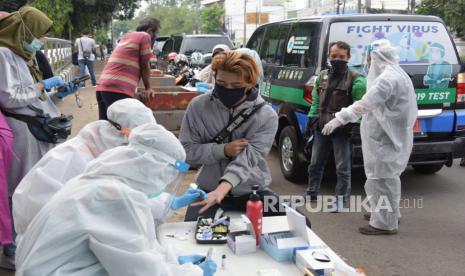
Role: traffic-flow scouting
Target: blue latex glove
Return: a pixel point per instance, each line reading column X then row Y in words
column 52, row 82
column 191, row 196
column 69, row 89
column 196, row 258
column 208, row 267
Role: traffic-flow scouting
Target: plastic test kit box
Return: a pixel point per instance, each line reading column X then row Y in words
column 282, row 246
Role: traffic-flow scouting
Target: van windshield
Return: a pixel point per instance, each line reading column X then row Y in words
column 417, row 42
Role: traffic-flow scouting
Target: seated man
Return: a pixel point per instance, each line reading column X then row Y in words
column 101, row 222
column 232, row 161
column 71, row 157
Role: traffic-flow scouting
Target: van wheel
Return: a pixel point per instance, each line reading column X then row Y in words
column 292, row 167
column 428, row 169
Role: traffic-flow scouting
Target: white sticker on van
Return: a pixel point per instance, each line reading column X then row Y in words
column 290, row 44
column 417, row 42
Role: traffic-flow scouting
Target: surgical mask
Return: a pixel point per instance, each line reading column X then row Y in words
column 338, row 66
column 35, row 46
column 229, row 97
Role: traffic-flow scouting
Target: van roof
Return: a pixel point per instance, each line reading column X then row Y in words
column 362, row 17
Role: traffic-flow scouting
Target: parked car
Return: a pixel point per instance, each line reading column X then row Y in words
column 294, row 51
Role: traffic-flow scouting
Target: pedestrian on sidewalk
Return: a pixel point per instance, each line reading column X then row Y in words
column 127, row 64
column 87, row 54
column 389, row 110
column 334, row 89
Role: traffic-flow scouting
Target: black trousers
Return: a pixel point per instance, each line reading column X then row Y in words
column 235, row 203
column 105, row 99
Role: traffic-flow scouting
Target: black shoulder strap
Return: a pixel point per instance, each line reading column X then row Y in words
column 30, row 120
column 236, row 122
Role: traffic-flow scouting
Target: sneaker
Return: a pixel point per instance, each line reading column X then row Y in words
column 367, row 216
column 370, row 230
column 7, row 262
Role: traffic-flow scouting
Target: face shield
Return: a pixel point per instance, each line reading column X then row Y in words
column 174, row 173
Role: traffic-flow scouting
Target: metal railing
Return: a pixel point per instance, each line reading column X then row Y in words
column 59, row 52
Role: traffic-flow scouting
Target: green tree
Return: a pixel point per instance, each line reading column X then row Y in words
column 70, row 17
column 212, row 19
column 451, row 11
column 59, row 11
column 173, row 20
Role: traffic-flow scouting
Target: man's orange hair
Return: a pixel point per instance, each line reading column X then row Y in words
column 240, row 63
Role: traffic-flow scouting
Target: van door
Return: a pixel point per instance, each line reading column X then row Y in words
column 271, row 53
column 298, row 52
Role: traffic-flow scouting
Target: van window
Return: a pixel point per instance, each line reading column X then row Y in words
column 256, row 40
column 283, row 32
column 300, row 45
column 270, row 44
column 417, row 42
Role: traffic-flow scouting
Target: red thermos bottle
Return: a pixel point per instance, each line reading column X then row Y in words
column 255, row 212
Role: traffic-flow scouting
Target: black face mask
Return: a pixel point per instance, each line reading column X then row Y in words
column 338, row 66
column 227, row 96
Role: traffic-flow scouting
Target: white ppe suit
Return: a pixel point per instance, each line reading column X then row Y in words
column 69, row 159
column 100, row 223
column 389, row 112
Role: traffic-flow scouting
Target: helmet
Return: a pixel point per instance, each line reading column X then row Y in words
column 172, row 56
column 181, row 59
column 196, row 58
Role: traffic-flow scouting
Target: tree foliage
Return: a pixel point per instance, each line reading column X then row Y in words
column 70, row 17
column 212, row 19
column 60, row 12
column 451, row 11
column 173, row 20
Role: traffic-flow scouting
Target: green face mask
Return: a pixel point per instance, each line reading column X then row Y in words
column 34, row 46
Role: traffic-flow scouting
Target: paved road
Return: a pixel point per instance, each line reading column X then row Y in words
column 431, row 240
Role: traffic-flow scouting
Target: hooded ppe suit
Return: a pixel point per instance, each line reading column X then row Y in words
column 389, row 112
column 69, row 159
column 100, row 223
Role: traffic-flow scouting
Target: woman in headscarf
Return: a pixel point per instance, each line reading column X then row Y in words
column 22, row 34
